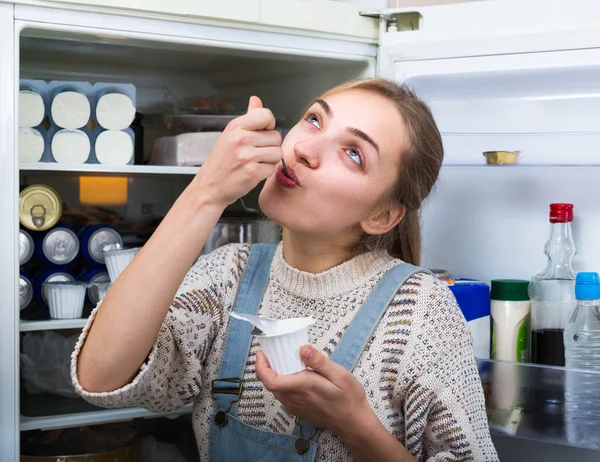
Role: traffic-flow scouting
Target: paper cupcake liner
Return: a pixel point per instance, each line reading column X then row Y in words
column 117, row 260
column 283, row 351
column 66, row 301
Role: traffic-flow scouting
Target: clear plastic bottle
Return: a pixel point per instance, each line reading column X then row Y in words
column 552, row 291
column 582, row 351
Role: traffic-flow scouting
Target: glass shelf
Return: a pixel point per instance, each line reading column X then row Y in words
column 528, row 401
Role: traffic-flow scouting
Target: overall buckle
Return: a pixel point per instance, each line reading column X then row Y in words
column 237, row 389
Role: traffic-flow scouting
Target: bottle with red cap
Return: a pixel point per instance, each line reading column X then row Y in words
column 552, row 292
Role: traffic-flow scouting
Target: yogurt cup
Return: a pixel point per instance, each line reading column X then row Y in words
column 99, row 290
column 65, row 299
column 281, row 340
column 117, row 260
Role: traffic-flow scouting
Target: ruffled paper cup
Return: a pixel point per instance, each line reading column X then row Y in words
column 65, row 299
column 117, row 260
column 282, row 349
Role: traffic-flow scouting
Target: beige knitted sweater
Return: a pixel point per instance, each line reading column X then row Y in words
column 418, row 371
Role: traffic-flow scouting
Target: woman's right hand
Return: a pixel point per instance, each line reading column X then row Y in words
column 247, row 152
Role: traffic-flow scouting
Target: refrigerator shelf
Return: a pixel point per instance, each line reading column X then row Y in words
column 52, row 324
column 94, row 417
column 100, row 168
column 527, row 401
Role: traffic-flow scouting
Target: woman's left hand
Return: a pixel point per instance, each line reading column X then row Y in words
column 328, row 395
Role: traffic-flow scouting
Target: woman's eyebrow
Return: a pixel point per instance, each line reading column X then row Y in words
column 326, row 107
column 364, row 136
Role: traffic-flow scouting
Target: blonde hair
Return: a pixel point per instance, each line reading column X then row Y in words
column 419, row 167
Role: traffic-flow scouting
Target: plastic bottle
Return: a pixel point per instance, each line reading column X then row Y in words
column 582, row 351
column 552, row 291
column 510, row 316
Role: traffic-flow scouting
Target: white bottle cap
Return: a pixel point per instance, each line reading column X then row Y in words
column 114, row 147
column 70, row 109
column 115, row 111
column 71, row 147
column 31, row 145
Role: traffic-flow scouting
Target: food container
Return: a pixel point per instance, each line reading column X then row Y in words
column 65, row 299
column 187, row 149
column 70, row 107
column 239, row 230
column 117, row 260
column 70, row 146
column 501, row 157
column 113, row 147
column 93, row 240
column 26, row 247
column 49, row 275
column 32, row 144
column 59, row 246
column 115, row 105
column 40, row 207
column 281, row 340
column 95, row 276
column 25, row 291
column 32, row 108
column 100, row 289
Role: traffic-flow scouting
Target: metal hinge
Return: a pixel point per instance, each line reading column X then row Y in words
column 393, row 23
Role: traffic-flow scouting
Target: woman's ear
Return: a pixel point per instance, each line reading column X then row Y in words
column 382, row 221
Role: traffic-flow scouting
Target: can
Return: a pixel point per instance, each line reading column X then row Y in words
column 59, row 246
column 26, row 246
column 93, row 240
column 94, row 275
column 50, row 275
column 25, row 291
column 40, row 207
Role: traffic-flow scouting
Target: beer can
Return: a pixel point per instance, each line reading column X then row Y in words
column 95, row 275
column 59, row 246
column 40, row 207
column 93, row 240
column 26, row 246
column 25, row 291
column 50, row 275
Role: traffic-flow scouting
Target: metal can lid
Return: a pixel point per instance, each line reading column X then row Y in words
column 100, row 239
column 25, row 292
column 40, row 207
column 60, row 246
column 26, row 247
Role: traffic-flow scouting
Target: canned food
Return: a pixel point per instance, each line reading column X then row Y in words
column 51, row 275
column 95, row 276
column 60, row 246
column 40, row 207
column 26, row 247
column 94, row 238
column 25, row 291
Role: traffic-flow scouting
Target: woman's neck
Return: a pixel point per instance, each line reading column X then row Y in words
column 314, row 254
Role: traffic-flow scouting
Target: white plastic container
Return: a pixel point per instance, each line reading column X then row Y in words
column 31, row 108
column 115, row 111
column 281, row 340
column 70, row 107
column 114, row 147
column 100, row 289
column 65, row 299
column 117, row 261
column 510, row 308
column 32, row 145
column 70, row 146
column 187, row 149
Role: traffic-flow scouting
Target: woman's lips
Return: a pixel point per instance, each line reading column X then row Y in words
column 287, row 179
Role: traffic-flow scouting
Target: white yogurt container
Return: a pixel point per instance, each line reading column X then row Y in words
column 70, row 146
column 70, row 107
column 65, row 299
column 31, row 108
column 117, row 261
column 99, row 290
column 115, row 111
column 114, row 147
column 32, row 145
column 281, row 340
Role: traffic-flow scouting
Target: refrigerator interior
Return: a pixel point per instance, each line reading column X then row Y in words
column 169, row 77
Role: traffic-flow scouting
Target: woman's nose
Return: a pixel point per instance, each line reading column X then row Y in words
column 310, row 151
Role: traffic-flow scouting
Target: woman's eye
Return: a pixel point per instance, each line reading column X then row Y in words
column 313, row 119
column 354, row 155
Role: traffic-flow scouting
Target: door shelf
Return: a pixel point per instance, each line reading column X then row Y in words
column 52, row 324
column 527, row 401
column 100, row 168
column 94, row 418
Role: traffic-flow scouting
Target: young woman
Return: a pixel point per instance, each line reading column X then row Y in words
column 392, row 374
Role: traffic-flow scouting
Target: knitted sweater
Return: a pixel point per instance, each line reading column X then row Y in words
column 418, row 371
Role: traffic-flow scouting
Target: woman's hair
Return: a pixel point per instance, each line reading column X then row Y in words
column 419, row 167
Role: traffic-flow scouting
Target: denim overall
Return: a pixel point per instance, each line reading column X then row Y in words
column 233, row 440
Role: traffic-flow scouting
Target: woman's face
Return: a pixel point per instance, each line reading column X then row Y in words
column 342, row 157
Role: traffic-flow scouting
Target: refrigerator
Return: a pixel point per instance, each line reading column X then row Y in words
column 498, row 75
